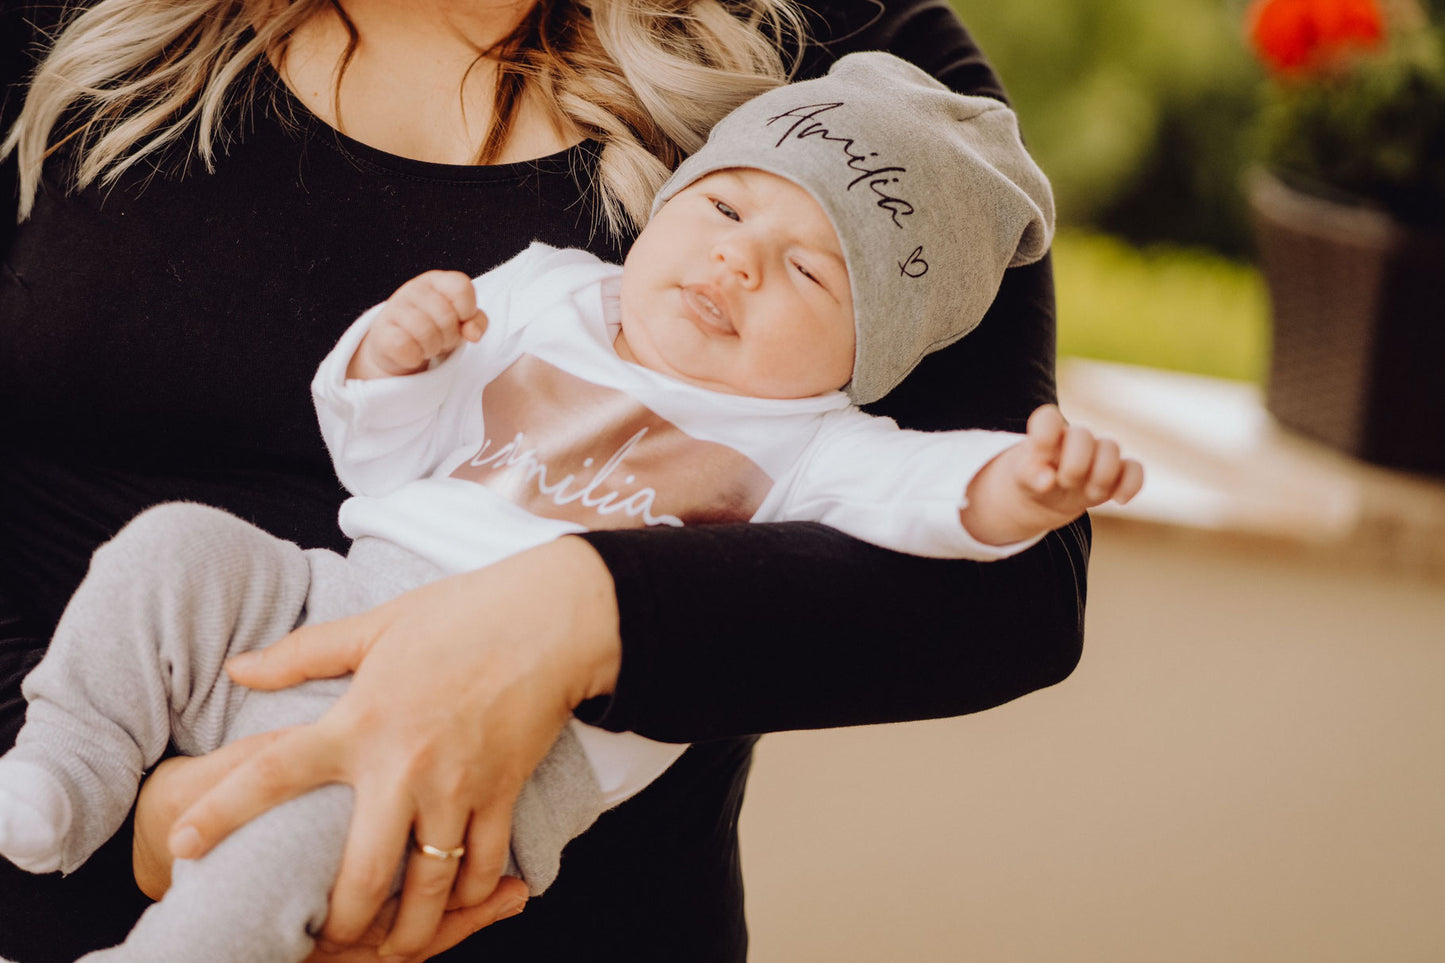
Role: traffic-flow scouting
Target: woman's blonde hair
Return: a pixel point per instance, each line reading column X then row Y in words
column 132, row 80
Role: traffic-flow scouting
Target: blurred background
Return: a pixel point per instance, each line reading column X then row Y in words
column 1142, row 113
column 1249, row 763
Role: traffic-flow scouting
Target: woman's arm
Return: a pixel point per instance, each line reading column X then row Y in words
column 744, row 629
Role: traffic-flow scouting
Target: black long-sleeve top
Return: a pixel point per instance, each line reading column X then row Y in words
column 156, row 342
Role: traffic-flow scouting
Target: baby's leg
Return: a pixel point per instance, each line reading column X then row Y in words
column 138, row 652
column 265, row 887
column 557, row 804
column 261, row 895
column 258, row 897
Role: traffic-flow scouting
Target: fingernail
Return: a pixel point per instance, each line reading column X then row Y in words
column 185, row 842
column 516, row 910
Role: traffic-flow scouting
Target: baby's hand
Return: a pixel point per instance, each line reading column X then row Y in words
column 1068, row 471
column 426, row 318
column 1056, row 473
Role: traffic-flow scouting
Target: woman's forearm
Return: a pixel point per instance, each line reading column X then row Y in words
column 773, row 627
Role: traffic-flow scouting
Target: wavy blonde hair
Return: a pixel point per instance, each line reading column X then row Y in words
column 131, row 80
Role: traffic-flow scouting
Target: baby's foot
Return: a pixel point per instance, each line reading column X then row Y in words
column 34, row 816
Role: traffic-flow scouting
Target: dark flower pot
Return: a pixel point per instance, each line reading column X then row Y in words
column 1359, row 325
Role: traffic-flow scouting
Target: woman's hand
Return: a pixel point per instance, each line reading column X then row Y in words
column 461, row 687
column 178, row 782
column 171, row 789
column 509, row 898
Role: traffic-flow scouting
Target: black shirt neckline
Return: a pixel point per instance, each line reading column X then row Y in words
column 299, row 115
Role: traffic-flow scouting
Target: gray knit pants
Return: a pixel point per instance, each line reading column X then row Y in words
column 137, row 662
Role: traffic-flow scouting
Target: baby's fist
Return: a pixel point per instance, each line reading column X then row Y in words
column 1071, row 470
column 425, row 319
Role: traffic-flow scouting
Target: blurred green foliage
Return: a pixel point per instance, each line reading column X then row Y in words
column 1374, row 131
column 1162, row 306
column 1139, row 110
column 1142, row 113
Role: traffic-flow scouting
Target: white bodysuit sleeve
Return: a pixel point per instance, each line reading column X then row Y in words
column 385, row 432
column 896, row 488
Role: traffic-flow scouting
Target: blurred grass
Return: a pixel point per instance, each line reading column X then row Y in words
column 1186, row 309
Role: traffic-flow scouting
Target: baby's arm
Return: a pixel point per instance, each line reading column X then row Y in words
column 1052, row 476
column 425, row 319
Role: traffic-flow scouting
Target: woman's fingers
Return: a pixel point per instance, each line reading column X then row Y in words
column 449, row 840
column 508, row 899
column 431, row 872
column 375, row 845
column 321, row 651
column 438, row 846
column 295, row 761
column 170, row 790
column 488, row 843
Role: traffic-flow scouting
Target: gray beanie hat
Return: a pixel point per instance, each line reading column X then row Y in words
column 931, row 192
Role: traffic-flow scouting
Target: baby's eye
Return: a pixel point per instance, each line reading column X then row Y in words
column 725, row 210
column 807, row 274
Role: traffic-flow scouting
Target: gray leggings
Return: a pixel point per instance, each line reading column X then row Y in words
column 136, row 662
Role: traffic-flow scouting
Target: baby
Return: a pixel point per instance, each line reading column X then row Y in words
column 828, row 236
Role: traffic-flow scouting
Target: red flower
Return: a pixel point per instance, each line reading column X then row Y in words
column 1294, row 36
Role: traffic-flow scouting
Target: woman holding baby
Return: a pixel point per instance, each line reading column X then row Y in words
column 206, row 193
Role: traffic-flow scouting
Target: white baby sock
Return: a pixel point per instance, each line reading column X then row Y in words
column 34, row 816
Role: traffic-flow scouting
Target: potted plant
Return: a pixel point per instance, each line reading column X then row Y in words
column 1349, row 208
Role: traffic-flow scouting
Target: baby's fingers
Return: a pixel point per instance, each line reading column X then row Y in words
column 1039, row 453
column 439, row 309
column 431, row 319
column 474, row 327
column 1076, row 460
column 456, row 289
column 1045, row 431
column 1131, row 480
column 1104, row 473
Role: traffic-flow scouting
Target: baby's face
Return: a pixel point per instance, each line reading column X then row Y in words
column 738, row 284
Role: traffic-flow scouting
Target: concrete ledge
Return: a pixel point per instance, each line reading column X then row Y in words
column 1219, row 467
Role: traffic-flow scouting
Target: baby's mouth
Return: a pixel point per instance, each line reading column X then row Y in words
column 708, row 310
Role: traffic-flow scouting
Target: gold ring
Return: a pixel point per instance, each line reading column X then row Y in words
column 441, row 854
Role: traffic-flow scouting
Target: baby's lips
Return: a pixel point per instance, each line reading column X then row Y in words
column 709, row 309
